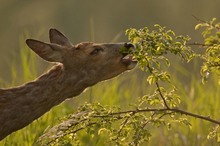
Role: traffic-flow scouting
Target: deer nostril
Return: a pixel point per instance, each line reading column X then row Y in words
column 129, row 45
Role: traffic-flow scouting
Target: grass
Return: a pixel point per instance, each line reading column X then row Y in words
column 124, row 90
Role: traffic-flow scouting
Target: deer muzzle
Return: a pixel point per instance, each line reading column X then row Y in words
column 127, row 57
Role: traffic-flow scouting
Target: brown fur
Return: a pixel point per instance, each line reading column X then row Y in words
column 80, row 66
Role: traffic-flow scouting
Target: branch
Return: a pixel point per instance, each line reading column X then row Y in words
column 197, row 44
column 206, row 118
column 132, row 112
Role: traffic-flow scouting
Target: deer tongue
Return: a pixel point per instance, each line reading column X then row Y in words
column 129, row 61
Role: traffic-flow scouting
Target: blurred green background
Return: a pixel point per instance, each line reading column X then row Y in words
column 105, row 21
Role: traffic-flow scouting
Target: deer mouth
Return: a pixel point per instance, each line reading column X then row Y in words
column 129, row 61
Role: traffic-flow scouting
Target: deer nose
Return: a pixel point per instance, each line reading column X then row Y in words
column 129, row 45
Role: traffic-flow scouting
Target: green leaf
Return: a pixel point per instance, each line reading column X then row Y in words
column 151, row 79
column 198, row 26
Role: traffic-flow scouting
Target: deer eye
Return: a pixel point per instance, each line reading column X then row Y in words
column 96, row 51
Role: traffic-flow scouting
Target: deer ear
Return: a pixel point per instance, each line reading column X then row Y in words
column 58, row 38
column 49, row 52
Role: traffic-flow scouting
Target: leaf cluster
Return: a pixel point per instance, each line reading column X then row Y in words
column 152, row 48
column 211, row 57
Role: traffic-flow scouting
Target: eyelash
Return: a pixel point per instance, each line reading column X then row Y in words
column 96, row 51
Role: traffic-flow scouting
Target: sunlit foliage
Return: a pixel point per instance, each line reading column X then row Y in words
column 156, row 109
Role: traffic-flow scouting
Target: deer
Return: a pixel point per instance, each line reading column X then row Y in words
column 76, row 68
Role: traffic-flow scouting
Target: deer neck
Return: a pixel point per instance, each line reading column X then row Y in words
column 32, row 100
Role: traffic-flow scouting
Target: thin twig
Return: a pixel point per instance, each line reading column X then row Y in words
column 148, row 121
column 161, row 95
column 158, row 87
column 209, row 24
column 123, row 125
column 198, row 44
column 66, row 133
column 199, row 20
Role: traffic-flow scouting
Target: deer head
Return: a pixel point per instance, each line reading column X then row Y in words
column 99, row 61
